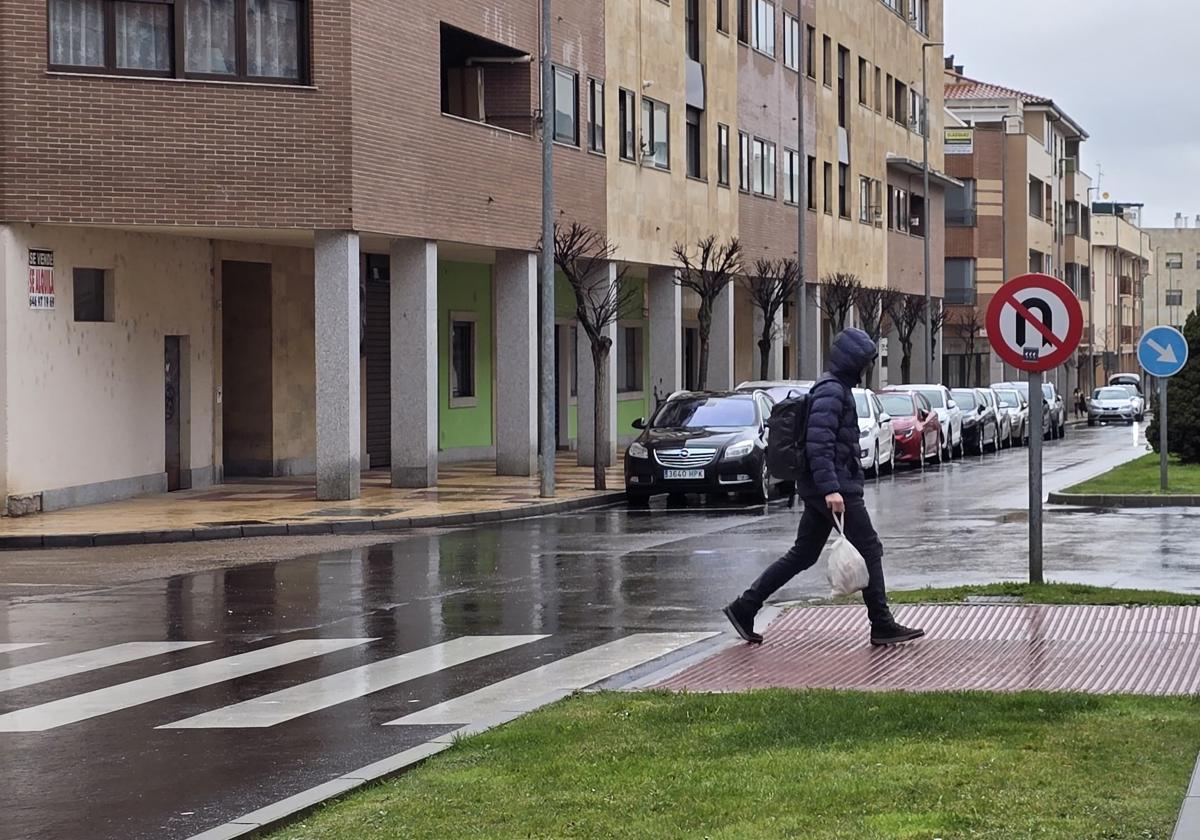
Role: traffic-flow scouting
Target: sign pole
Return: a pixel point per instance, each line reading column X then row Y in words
column 1162, row 432
column 1035, row 477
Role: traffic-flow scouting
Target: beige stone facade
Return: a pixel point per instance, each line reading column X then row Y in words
column 1173, row 288
column 1122, row 254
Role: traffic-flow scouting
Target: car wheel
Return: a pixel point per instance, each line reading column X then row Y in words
column 962, row 445
column 939, row 454
column 1062, row 430
column 762, row 493
column 1091, row 422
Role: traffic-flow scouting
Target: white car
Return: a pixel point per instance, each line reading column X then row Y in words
column 948, row 413
column 876, row 440
column 1139, row 403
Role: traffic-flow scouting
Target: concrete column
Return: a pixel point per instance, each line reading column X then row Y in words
column 587, row 390
column 814, row 353
column 336, row 299
column 415, row 348
column 775, row 361
column 720, row 342
column 516, row 369
column 666, row 334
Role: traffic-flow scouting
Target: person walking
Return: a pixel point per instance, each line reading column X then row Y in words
column 1080, row 405
column 832, row 485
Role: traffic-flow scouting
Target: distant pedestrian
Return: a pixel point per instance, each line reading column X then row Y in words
column 1080, row 404
column 832, row 484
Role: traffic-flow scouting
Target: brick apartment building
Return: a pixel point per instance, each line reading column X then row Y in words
column 276, row 237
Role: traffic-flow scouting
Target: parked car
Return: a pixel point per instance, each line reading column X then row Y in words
column 981, row 428
column 1058, row 410
column 918, row 432
column 950, row 416
column 702, row 442
column 1015, row 408
column 1112, row 404
column 1049, row 429
column 876, row 437
column 1002, row 418
column 777, row 389
column 1139, row 403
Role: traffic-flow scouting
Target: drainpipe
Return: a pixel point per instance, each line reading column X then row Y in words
column 548, row 444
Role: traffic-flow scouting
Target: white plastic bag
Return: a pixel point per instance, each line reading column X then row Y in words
column 847, row 568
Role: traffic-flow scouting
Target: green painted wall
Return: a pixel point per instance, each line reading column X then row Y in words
column 465, row 287
column 631, row 408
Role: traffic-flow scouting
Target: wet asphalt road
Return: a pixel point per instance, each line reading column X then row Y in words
column 580, row 580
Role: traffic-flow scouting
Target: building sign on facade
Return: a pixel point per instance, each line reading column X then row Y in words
column 960, row 141
column 41, row 279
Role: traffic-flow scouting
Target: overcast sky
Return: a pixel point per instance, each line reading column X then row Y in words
column 1128, row 72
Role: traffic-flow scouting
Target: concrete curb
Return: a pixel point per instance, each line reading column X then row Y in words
column 1104, row 501
column 340, row 527
column 1188, row 824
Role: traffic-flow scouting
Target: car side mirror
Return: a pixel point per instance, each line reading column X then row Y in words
column 639, row 423
column 885, row 418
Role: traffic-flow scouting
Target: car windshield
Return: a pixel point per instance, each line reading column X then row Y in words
column 1129, row 389
column 860, row 402
column 934, row 396
column 897, row 405
column 1111, row 394
column 965, row 399
column 705, row 413
column 1009, row 399
column 1048, row 390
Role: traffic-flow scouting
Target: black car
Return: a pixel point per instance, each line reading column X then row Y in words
column 981, row 425
column 702, row 442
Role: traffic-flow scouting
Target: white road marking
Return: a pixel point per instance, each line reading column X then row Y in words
column 535, row 688
column 9, row 647
column 91, row 660
column 114, row 698
column 280, row 706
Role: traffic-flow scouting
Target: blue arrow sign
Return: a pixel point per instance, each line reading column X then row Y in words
column 1162, row 352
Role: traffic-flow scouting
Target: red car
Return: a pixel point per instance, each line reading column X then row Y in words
column 915, row 424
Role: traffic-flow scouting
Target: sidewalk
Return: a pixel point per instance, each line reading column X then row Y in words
column 466, row 493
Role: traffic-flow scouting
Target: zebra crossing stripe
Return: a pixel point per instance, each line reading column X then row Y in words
column 10, row 647
column 550, row 682
column 91, row 660
column 289, row 703
column 114, row 698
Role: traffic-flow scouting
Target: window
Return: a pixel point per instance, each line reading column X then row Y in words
column 1174, row 298
column 827, row 59
column 628, row 112
column 248, row 39
column 829, row 188
column 462, row 359
column 791, row 42
column 843, row 80
column 812, row 183
column 901, row 102
column 1036, row 199
column 898, row 210
column 492, row 92
column 811, row 58
column 630, row 356
column 722, row 22
column 566, row 106
column 656, row 135
column 596, row 115
column 1174, row 260
column 916, row 213
column 1085, row 283
column 691, row 20
column 1198, row 260
column 960, row 204
column 723, row 155
column 695, row 168
column 878, row 90
column 960, row 281
column 918, row 14
column 844, row 190
column 93, row 303
column 762, row 168
column 864, row 201
column 891, row 97
column 894, row 5
column 744, row 161
column 1072, row 218
column 743, row 21
column 1036, row 261
column 791, row 176
column 916, row 112
column 864, row 82
column 764, row 27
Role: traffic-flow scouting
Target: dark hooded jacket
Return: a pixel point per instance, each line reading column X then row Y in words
column 833, row 438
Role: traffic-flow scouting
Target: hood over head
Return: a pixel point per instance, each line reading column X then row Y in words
column 850, row 354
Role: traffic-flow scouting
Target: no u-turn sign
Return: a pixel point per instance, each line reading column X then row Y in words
column 1035, row 322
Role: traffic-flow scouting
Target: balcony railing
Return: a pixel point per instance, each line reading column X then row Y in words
column 961, row 218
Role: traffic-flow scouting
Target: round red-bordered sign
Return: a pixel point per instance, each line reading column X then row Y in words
column 1035, row 322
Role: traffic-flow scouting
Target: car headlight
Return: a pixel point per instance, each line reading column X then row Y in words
column 739, row 450
column 638, row 450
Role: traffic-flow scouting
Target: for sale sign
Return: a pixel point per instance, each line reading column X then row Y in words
column 41, row 279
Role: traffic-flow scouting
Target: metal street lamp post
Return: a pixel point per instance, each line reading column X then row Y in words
column 926, row 230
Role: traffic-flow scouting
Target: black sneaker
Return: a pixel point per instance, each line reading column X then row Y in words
column 885, row 635
column 742, row 619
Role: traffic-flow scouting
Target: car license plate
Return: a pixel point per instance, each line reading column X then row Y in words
column 683, row 475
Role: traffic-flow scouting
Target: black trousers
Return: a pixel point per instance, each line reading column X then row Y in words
column 815, row 527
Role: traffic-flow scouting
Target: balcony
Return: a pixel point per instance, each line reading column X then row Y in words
column 965, row 217
column 1126, row 286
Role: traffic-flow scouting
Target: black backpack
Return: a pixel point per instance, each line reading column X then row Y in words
column 787, row 441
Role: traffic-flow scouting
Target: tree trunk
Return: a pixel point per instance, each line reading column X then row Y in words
column 906, row 361
column 705, row 318
column 601, row 431
column 764, row 355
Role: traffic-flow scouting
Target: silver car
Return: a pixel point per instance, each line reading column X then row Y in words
column 1113, row 404
column 1015, row 409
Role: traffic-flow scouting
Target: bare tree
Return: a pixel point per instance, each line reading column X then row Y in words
column 871, row 315
column 937, row 322
column 907, row 313
column 773, row 283
column 583, row 256
column 967, row 325
column 707, row 272
column 839, row 291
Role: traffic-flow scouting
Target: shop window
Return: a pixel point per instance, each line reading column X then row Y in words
column 632, row 361
column 462, row 359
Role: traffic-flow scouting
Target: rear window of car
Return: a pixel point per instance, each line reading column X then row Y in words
column 897, row 405
column 706, row 412
column 934, row 396
column 965, row 399
column 1009, row 399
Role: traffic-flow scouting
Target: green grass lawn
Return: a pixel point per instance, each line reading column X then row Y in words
column 1049, row 593
column 1140, row 478
column 811, row 765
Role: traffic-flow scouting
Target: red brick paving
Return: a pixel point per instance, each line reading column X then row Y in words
column 1099, row 650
